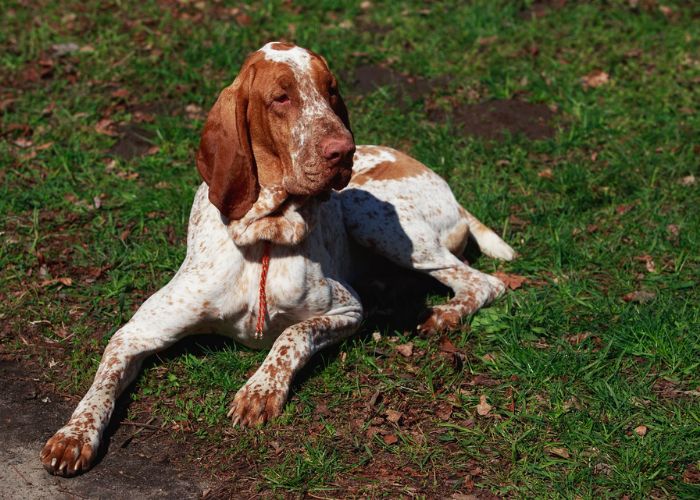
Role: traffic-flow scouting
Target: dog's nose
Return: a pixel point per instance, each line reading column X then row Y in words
column 335, row 150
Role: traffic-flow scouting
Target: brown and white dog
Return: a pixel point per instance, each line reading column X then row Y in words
column 274, row 147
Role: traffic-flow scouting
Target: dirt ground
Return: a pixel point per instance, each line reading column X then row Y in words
column 136, row 465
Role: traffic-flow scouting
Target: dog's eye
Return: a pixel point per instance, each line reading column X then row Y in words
column 282, row 99
column 332, row 90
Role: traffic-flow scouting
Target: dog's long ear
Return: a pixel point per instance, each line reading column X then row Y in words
column 225, row 157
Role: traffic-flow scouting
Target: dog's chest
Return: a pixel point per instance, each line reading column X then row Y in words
column 295, row 288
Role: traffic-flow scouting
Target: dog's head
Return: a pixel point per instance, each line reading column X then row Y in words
column 281, row 123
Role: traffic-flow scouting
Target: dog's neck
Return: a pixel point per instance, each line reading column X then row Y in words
column 276, row 217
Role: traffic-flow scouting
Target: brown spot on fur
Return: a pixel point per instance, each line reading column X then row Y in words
column 402, row 168
column 282, row 46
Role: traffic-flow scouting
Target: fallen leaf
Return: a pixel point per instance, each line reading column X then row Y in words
column 558, row 452
column 106, row 127
column 406, row 350
column 578, row 338
column 545, row 173
column 673, row 233
column 691, row 474
column 624, row 208
column 639, row 296
column 243, row 19
column 62, row 49
column 512, row 281
column 446, row 345
column 641, row 430
column 444, row 411
column 63, row 281
column 484, row 380
column 489, row 357
column 648, row 262
column 483, row 408
column 391, row 439
column 688, row 180
column 23, row 142
column 120, row 93
column 668, row 12
column 393, row 416
column 141, row 117
column 194, row 112
column 595, row 78
column 486, row 40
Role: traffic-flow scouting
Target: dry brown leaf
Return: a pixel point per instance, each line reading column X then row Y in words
column 106, row 127
column 578, row 338
column 446, row 345
column 406, row 350
column 243, row 19
column 648, row 262
column 486, row 40
column 62, row 280
column 545, row 173
column 688, row 180
column 23, row 142
column 595, row 78
column 393, row 416
column 391, row 439
column 489, row 357
column 512, row 281
column 673, row 232
column 483, row 408
column 444, row 411
column 558, row 452
column 624, row 208
column 691, row 474
column 641, row 430
column 120, row 93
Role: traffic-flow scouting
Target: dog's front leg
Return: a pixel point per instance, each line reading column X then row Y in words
column 264, row 394
column 162, row 320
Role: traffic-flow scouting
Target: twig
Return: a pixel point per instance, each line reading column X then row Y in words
column 29, row 483
column 142, row 424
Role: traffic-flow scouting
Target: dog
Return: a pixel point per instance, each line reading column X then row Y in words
column 288, row 217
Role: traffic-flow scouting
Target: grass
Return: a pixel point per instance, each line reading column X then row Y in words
column 570, row 368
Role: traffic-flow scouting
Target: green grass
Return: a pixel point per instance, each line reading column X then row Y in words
column 615, row 196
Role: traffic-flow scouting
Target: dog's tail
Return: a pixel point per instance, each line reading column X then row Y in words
column 489, row 242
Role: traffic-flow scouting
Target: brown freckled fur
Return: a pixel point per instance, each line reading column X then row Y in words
column 402, row 168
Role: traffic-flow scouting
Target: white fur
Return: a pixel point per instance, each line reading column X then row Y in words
column 295, row 57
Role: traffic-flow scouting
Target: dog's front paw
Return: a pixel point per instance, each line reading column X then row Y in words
column 257, row 403
column 68, row 453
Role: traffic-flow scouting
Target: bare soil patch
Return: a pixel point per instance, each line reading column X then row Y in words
column 492, row 119
column 370, row 77
column 139, row 466
column 134, row 141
